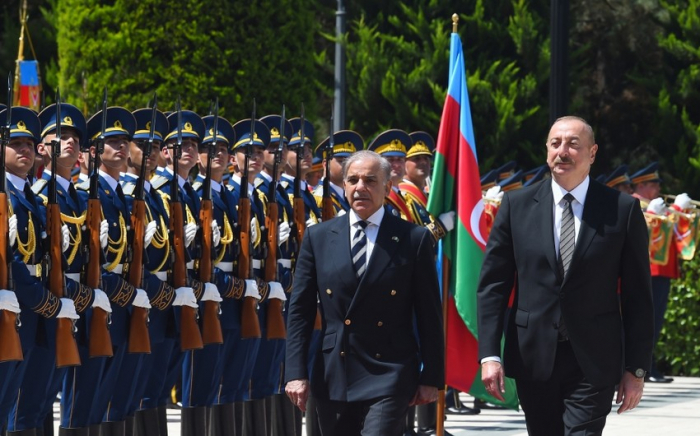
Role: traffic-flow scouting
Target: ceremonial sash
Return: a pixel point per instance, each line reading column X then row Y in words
column 414, row 192
column 400, row 204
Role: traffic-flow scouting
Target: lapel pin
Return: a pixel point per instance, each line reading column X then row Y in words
column 395, row 238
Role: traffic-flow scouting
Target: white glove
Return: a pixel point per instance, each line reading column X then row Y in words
column 253, row 230
column 494, row 193
column 310, row 222
column 341, row 212
column 251, row 289
column 104, row 233
column 190, row 231
column 12, row 229
column 683, row 201
column 276, row 291
column 657, row 206
column 283, row 231
column 65, row 238
column 211, row 293
column 141, row 299
column 67, row 309
column 101, row 300
column 216, row 233
column 448, row 220
column 148, row 234
column 185, row 297
column 8, row 301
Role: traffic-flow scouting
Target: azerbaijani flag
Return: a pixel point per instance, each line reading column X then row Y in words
column 29, row 85
column 456, row 187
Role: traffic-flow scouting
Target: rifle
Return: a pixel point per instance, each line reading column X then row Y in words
column 298, row 205
column 11, row 349
column 66, row 347
column 275, row 321
column 250, row 325
column 211, row 326
column 327, row 210
column 100, row 341
column 139, row 339
column 190, row 337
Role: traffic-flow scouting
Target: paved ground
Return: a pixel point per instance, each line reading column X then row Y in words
column 672, row 409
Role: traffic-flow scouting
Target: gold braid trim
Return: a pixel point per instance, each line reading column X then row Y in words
column 235, row 289
column 263, row 288
column 437, row 230
column 81, row 298
column 197, row 287
column 226, row 239
column 164, row 297
column 117, row 247
column 49, row 307
column 160, row 240
column 125, row 294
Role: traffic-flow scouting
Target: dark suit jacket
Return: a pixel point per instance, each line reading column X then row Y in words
column 608, row 331
column 370, row 348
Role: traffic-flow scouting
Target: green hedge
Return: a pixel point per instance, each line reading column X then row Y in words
column 678, row 350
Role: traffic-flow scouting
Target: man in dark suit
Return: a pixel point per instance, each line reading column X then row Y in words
column 572, row 333
column 375, row 278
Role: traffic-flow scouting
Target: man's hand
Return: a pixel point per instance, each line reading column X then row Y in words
column 298, row 393
column 493, row 379
column 424, row 395
column 629, row 392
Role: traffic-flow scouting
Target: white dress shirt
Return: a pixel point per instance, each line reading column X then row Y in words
column 371, row 230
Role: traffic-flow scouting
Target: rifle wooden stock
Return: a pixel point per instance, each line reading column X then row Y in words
column 327, row 209
column 250, row 325
column 211, row 325
column 11, row 348
column 66, row 347
column 300, row 224
column 275, row 320
column 190, row 336
column 139, row 338
column 100, row 344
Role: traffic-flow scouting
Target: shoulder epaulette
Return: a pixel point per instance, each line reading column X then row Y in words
column 284, row 184
column 158, row 181
column 258, row 182
column 128, row 188
column 83, row 186
column 196, row 185
column 38, row 186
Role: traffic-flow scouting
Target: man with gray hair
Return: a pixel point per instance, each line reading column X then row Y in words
column 374, row 274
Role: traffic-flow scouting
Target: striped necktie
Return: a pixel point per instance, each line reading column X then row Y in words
column 359, row 249
column 567, row 240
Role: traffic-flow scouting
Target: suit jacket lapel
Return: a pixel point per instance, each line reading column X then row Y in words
column 545, row 225
column 339, row 236
column 590, row 221
column 388, row 240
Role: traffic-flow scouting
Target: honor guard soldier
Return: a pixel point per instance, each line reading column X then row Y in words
column 505, row 171
column 345, row 143
column 208, row 365
column 252, row 139
column 151, row 369
column 619, row 179
column 647, row 188
column 299, row 162
column 185, row 132
column 513, row 182
column 414, row 186
column 78, row 383
column 535, row 175
column 110, row 132
column 315, row 174
column 283, row 417
column 39, row 307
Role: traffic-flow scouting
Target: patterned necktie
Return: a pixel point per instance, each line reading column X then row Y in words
column 359, row 249
column 567, row 240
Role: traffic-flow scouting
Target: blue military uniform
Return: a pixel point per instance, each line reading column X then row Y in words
column 345, row 143
column 119, row 122
column 39, row 307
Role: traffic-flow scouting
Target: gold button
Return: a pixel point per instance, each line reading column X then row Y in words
column 393, row 292
column 329, row 292
column 379, row 324
column 347, row 322
column 378, row 356
column 342, row 354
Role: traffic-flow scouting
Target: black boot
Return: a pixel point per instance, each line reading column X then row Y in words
column 112, row 428
column 163, row 420
column 129, row 426
column 410, row 425
column 214, row 421
column 94, row 430
column 30, row 432
column 146, row 423
column 194, row 421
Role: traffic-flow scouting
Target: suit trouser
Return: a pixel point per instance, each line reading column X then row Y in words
column 382, row 416
column 566, row 404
